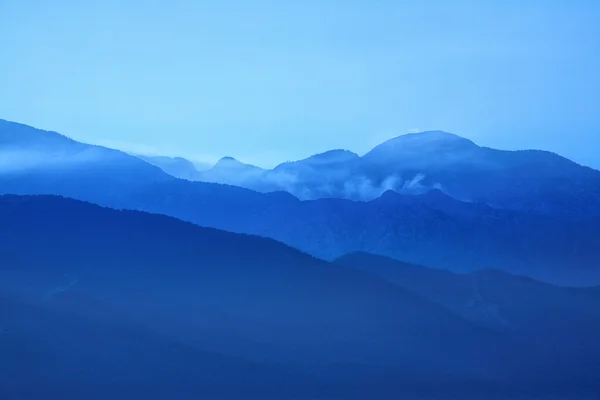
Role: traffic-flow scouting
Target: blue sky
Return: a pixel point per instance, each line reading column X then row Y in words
column 267, row 81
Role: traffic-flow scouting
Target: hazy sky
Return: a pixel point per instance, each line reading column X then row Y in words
column 266, row 81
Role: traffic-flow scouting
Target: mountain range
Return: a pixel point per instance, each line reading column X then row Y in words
column 530, row 180
column 430, row 228
column 128, row 276
column 102, row 303
column 178, row 167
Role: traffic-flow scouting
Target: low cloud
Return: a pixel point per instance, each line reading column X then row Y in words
column 415, row 183
column 310, row 187
column 139, row 149
column 18, row 160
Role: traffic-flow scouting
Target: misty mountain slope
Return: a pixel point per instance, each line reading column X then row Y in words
column 551, row 317
column 327, row 328
column 529, row 180
column 34, row 161
column 479, row 295
column 520, row 180
column 435, row 229
column 241, row 294
column 313, row 177
column 430, row 229
column 177, row 167
column 24, row 148
column 230, row 171
column 50, row 162
column 48, row 351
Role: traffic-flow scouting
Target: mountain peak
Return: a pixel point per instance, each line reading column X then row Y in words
column 332, row 156
column 420, row 146
column 230, row 163
column 178, row 167
column 336, row 152
column 437, row 134
column 427, row 138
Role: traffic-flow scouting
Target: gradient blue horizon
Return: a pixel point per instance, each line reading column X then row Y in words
column 272, row 81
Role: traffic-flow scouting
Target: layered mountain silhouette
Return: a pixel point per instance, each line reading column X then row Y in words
column 556, row 320
column 530, row 180
column 526, row 180
column 432, row 228
column 230, row 171
column 178, row 167
column 120, row 297
column 495, row 298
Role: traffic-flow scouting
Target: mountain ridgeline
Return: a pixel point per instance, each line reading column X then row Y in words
column 531, row 180
column 427, row 227
column 100, row 303
column 177, row 166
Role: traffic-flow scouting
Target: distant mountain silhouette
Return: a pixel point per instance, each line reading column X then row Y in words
column 421, row 149
column 230, row 171
column 530, row 180
column 431, row 228
column 52, row 162
column 189, row 297
column 331, row 160
column 175, row 166
column 314, row 176
column 526, row 180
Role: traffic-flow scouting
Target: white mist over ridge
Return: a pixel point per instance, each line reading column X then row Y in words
column 399, row 164
column 413, row 163
column 360, row 187
column 18, row 160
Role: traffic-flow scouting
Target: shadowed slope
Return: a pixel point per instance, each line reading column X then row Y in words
column 561, row 323
column 247, row 297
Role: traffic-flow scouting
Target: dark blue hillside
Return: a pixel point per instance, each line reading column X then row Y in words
column 243, row 297
column 50, row 353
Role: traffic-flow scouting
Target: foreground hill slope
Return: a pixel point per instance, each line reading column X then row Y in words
column 242, row 296
column 498, row 299
column 50, row 351
column 245, row 297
